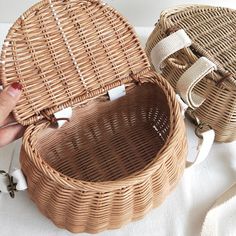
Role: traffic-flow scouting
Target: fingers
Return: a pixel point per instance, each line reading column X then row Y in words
column 10, row 134
column 8, row 99
column 10, row 120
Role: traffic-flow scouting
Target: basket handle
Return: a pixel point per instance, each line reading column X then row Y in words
column 191, row 78
column 168, row 46
column 206, row 140
column 203, row 131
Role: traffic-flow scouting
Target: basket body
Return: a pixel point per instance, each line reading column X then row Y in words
column 114, row 160
column 110, row 172
column 212, row 32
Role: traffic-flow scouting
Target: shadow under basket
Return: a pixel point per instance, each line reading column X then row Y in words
column 109, row 165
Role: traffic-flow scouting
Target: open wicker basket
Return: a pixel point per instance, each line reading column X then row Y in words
column 114, row 160
column 213, row 34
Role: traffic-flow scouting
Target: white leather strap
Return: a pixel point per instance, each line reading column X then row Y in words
column 223, row 203
column 3, row 183
column 190, row 78
column 65, row 113
column 19, row 179
column 206, row 138
column 117, row 92
column 168, row 46
column 12, row 170
column 204, row 147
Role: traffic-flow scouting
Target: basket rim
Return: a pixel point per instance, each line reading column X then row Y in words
column 185, row 7
column 133, row 179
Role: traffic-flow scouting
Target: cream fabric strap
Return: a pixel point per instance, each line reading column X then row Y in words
column 190, row 78
column 206, row 138
column 216, row 215
column 204, row 148
column 169, row 46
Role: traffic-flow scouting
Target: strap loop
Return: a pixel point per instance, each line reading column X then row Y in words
column 203, row 131
column 168, row 46
column 13, row 179
column 206, row 140
column 7, row 184
column 60, row 117
column 190, row 78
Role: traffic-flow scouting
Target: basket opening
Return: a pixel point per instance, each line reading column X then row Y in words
column 107, row 141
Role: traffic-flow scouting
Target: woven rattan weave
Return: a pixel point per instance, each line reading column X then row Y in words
column 114, row 160
column 213, row 32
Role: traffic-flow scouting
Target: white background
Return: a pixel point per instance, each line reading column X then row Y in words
column 138, row 12
column 183, row 212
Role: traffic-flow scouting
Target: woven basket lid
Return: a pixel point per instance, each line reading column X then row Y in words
column 67, row 52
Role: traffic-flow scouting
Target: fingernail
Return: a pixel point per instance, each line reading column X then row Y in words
column 15, row 89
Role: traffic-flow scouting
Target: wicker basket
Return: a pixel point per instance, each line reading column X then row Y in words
column 213, row 34
column 114, row 160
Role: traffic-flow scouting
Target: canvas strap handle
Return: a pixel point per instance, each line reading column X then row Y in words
column 202, row 67
column 206, row 141
column 205, row 134
column 191, row 78
column 185, row 87
column 168, row 46
column 187, row 99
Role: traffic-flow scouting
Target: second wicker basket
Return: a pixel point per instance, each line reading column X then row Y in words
column 194, row 47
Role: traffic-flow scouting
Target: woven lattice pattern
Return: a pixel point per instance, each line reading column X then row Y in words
column 99, row 150
column 65, row 52
column 213, row 33
column 111, row 164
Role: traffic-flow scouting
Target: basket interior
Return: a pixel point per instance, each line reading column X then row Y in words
column 106, row 140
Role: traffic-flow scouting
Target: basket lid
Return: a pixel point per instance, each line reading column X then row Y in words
column 67, row 52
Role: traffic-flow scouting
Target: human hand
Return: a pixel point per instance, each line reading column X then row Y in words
column 9, row 129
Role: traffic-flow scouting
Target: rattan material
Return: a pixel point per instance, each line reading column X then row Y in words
column 213, row 32
column 113, row 161
column 67, row 52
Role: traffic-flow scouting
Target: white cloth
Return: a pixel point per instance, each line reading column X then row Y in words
column 221, row 218
column 182, row 214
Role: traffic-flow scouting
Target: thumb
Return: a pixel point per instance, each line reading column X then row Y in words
column 8, row 99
